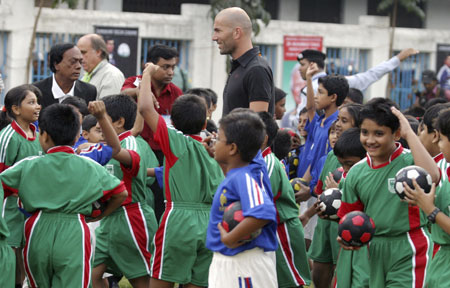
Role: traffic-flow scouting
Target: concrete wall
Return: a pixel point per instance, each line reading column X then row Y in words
column 206, row 65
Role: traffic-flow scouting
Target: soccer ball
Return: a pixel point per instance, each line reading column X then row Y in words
column 330, row 201
column 232, row 216
column 296, row 184
column 409, row 173
column 356, row 229
column 337, row 174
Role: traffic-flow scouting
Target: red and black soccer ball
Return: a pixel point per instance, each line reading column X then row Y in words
column 232, row 216
column 337, row 174
column 409, row 173
column 330, row 201
column 356, row 229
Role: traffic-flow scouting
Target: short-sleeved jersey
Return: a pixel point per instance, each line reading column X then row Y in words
column 58, row 188
column 283, row 194
column 4, row 231
column 135, row 176
column 15, row 145
column 190, row 174
column 442, row 201
column 371, row 189
column 251, row 186
column 100, row 153
column 331, row 164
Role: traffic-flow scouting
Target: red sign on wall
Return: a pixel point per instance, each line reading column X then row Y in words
column 293, row 45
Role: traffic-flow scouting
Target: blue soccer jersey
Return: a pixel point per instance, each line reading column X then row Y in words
column 251, row 186
column 100, row 153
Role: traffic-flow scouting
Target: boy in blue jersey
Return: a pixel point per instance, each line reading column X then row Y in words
column 236, row 263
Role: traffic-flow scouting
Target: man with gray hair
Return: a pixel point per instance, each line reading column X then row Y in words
column 250, row 82
column 98, row 71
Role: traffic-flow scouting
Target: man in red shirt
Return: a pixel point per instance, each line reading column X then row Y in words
column 165, row 92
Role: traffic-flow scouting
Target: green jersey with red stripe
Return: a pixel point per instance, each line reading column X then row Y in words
column 190, row 174
column 370, row 189
column 283, row 194
column 135, row 176
column 15, row 145
column 59, row 181
column 331, row 164
column 442, row 201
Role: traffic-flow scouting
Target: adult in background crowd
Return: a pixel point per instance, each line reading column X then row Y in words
column 165, row 92
column 65, row 63
column 98, row 71
column 443, row 77
column 250, row 82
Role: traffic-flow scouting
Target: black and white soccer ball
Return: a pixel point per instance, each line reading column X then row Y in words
column 409, row 173
column 330, row 201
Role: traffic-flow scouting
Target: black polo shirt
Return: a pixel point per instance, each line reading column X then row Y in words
column 250, row 80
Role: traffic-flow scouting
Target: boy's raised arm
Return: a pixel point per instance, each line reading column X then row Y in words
column 98, row 109
column 421, row 156
column 310, row 103
column 146, row 103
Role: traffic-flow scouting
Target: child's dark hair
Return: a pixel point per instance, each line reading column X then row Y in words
column 282, row 144
column 211, row 126
column 354, row 110
column 88, row 122
column 430, row 116
column 203, row 93
column 414, row 123
column 349, row 145
column 161, row 51
column 355, row 95
column 379, row 111
column 189, row 114
column 434, row 101
column 335, row 85
column 416, row 112
column 246, row 130
column 78, row 103
column 118, row 106
column 213, row 95
column 332, row 127
column 271, row 126
column 443, row 123
column 303, row 111
column 61, row 123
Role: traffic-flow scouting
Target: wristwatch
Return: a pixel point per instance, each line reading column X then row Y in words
column 432, row 216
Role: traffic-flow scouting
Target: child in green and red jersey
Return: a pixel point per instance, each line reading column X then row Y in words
column 400, row 249
column 436, row 205
column 291, row 271
column 57, row 250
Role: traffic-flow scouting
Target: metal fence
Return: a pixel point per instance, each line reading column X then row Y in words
column 3, row 58
column 346, row 61
column 42, row 44
column 406, row 79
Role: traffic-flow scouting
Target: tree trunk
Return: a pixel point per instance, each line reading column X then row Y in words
column 391, row 44
column 33, row 37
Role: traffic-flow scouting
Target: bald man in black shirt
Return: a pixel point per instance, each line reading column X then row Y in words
column 250, row 82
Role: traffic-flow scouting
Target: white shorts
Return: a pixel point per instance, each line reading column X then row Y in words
column 251, row 268
column 308, row 230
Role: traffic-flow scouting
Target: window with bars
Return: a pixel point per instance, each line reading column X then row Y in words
column 42, row 45
column 269, row 52
column 346, row 61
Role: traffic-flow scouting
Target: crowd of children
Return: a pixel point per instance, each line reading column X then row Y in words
column 78, row 206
